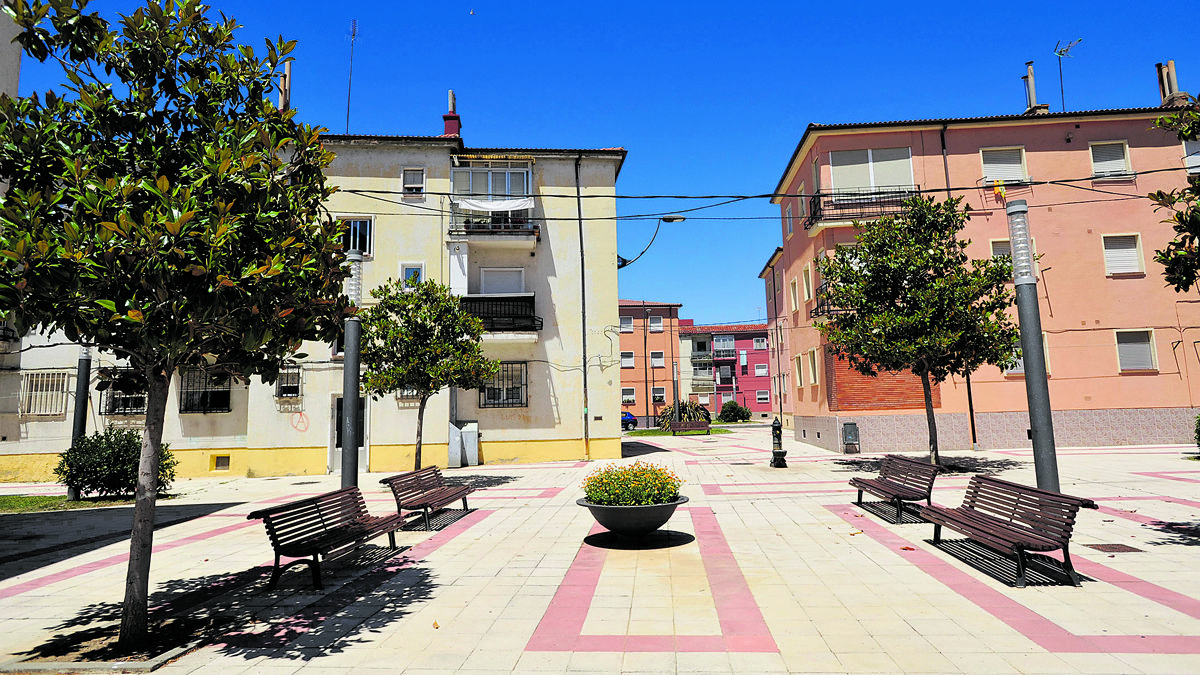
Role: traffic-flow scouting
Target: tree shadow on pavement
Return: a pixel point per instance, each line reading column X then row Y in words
column 365, row 590
column 1177, row 533
column 950, row 464
column 479, row 482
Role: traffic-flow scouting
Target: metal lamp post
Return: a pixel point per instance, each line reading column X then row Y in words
column 350, row 365
column 1029, row 317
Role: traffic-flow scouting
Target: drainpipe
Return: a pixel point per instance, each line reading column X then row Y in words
column 970, row 397
column 587, row 448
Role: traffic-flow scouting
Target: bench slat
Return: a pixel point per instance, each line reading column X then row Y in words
column 424, row 490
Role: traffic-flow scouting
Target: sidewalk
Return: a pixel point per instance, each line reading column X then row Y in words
column 763, row 571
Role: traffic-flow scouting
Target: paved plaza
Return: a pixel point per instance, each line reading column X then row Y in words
column 763, row 571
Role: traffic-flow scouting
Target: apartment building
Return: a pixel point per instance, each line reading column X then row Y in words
column 1118, row 343
column 649, row 357
column 779, row 354
column 505, row 228
column 736, row 357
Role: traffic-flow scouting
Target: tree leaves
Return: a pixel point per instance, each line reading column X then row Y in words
column 1181, row 258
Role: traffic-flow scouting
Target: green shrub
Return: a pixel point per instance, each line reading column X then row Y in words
column 1198, row 431
column 106, row 463
column 689, row 411
column 732, row 412
column 632, row 485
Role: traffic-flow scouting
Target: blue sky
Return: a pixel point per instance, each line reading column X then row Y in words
column 708, row 98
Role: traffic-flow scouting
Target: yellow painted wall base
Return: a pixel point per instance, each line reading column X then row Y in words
column 251, row 462
column 402, row 457
column 525, row 452
column 37, row 468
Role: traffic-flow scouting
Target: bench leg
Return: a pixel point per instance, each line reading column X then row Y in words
column 275, row 573
column 465, row 504
column 392, row 538
column 1070, row 568
column 899, row 510
column 1020, row 568
column 859, row 500
column 316, row 572
column 427, row 527
column 937, row 533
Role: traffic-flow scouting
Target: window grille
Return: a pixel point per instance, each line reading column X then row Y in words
column 123, row 396
column 200, row 392
column 508, row 389
column 44, row 393
column 288, row 384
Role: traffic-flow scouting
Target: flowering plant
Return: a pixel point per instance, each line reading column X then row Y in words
column 635, row 484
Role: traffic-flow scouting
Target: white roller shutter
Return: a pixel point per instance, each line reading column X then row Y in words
column 1108, row 159
column 1135, row 351
column 1121, row 254
column 1003, row 164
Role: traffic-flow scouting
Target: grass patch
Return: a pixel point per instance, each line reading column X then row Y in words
column 660, row 432
column 34, row 503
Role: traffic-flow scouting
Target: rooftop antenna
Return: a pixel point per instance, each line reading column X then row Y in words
column 1061, row 50
column 350, row 77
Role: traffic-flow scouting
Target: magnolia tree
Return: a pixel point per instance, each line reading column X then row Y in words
column 911, row 300
column 1181, row 257
column 417, row 338
column 164, row 210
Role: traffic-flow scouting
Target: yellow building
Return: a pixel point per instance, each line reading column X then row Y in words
column 526, row 236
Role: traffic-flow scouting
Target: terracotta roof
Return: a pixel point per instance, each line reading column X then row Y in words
column 639, row 303
column 727, row 328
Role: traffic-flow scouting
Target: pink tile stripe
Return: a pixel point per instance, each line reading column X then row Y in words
column 87, row 568
column 1168, row 475
column 1037, row 628
column 743, row 628
column 540, row 493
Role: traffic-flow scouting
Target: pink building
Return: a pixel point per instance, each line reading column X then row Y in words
column 1120, row 346
column 735, row 359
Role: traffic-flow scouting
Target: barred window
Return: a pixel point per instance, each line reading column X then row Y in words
column 123, row 394
column 509, row 389
column 200, row 392
column 288, row 384
column 44, row 393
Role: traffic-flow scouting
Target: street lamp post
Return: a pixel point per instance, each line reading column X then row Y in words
column 1037, row 390
column 350, row 364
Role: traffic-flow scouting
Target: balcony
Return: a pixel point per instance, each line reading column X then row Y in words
column 823, row 308
column 504, row 312
column 702, row 357
column 857, row 203
column 724, row 354
column 500, row 223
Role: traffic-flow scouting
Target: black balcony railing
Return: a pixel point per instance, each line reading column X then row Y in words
column 823, row 308
column 701, row 356
column 508, row 312
column 858, row 203
column 724, row 353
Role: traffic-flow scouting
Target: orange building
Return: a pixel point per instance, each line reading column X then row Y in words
column 649, row 357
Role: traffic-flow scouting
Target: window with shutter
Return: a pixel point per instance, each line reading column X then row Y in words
column 1004, row 164
column 1191, row 156
column 858, row 171
column 1108, row 159
column 1135, row 350
column 627, row 360
column 1122, row 255
column 1003, row 247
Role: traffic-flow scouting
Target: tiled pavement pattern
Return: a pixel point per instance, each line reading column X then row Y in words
column 764, row 571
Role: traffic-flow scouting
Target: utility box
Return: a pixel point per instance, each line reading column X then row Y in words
column 455, row 446
column 470, row 442
column 850, row 443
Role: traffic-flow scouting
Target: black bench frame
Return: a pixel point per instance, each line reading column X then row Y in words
column 424, row 490
column 690, row 425
column 900, row 479
column 1013, row 519
column 318, row 526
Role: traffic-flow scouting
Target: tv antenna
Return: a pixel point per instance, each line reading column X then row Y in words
column 350, row 77
column 1061, row 50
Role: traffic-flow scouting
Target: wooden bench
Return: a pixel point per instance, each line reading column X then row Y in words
column 424, row 490
column 1012, row 518
column 321, row 525
column 689, row 425
column 901, row 479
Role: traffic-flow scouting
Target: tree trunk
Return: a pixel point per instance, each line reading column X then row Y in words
column 141, row 540
column 933, row 443
column 420, row 423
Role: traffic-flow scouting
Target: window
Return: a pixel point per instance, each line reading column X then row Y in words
column 657, row 360
column 702, row 346
column 1191, row 156
column 726, row 397
column 1019, row 369
column 627, row 324
column 121, row 392
column 502, row 279
column 656, row 324
column 724, row 343
column 200, row 392
column 412, row 273
column 801, row 202
column 787, row 218
column 799, row 370
column 762, row 396
column 760, row 370
column 1122, row 254
column 288, row 384
column 794, row 295
column 358, row 236
column 508, row 389
column 760, row 343
column 812, row 366
column 44, row 393
column 658, row 394
column 859, row 171
column 1004, row 164
column 705, row 372
column 702, row 399
column 1003, row 247
column 1135, row 350
column 806, row 276
column 628, row 395
column 726, row 374
column 489, row 180
column 414, row 183
column 627, row 360
column 1109, row 160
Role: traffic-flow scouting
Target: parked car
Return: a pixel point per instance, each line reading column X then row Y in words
column 628, row 421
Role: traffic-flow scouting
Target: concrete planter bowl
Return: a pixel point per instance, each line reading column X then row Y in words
column 633, row 521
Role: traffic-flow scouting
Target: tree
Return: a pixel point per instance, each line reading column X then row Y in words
column 910, row 300
column 1181, row 257
column 164, row 210
column 418, row 338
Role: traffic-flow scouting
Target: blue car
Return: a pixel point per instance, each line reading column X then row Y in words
column 628, row 421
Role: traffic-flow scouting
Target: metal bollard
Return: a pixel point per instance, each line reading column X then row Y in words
column 777, row 451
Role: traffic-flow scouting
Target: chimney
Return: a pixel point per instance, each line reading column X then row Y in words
column 1032, row 106
column 1168, row 86
column 452, row 120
